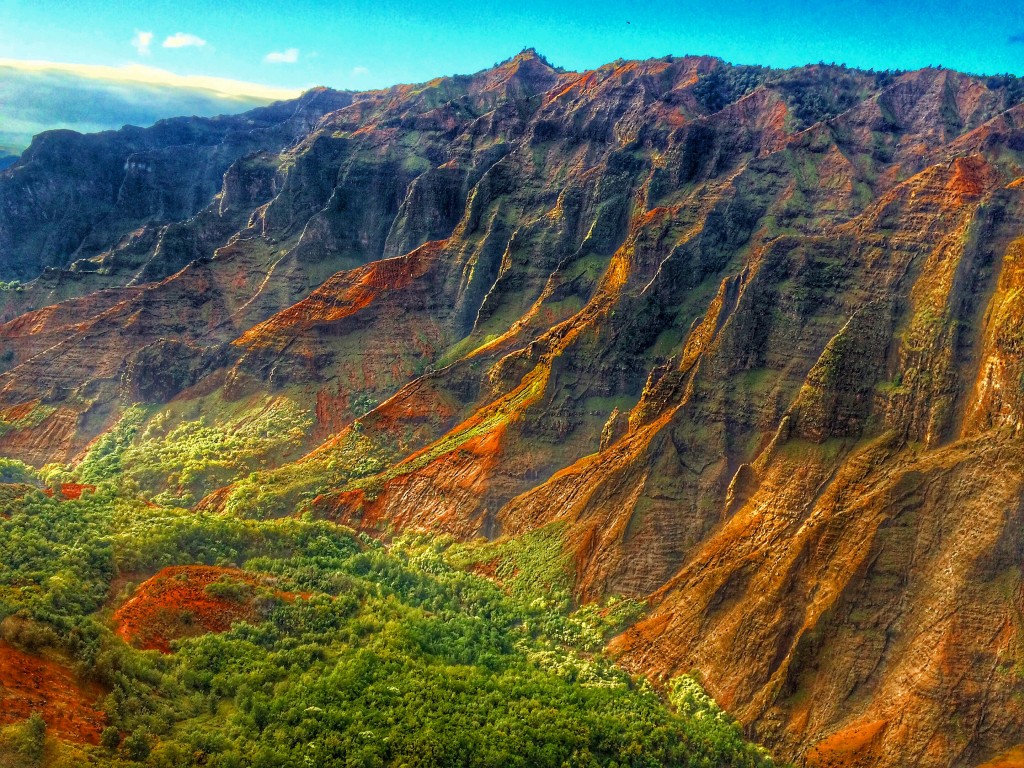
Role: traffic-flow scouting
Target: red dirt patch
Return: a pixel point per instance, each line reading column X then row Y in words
column 72, row 491
column 31, row 684
column 175, row 603
column 970, row 177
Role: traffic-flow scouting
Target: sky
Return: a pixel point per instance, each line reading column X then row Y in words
column 264, row 50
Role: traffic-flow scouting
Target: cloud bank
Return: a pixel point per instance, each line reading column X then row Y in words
column 38, row 96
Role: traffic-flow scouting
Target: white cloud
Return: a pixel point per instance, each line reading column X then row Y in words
column 282, row 57
column 360, row 72
column 184, row 40
column 141, row 42
column 138, row 73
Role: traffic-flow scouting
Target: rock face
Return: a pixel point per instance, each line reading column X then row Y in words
column 752, row 338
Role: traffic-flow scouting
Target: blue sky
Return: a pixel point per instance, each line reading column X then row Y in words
column 373, row 43
column 258, row 51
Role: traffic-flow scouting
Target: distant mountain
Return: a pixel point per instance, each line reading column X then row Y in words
column 746, row 344
column 89, row 190
column 7, row 160
column 40, row 96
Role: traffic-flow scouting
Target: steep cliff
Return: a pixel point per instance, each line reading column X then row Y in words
column 748, row 340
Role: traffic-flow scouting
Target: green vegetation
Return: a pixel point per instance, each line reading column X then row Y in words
column 23, row 744
column 290, row 488
column 1011, row 86
column 14, row 471
column 819, row 93
column 423, row 652
column 725, row 85
column 182, row 460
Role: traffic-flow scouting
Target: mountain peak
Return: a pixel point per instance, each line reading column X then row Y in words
column 530, row 57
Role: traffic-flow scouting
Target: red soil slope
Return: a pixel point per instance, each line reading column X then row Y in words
column 31, row 684
column 175, row 603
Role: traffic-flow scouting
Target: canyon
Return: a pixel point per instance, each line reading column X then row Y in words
column 748, row 342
